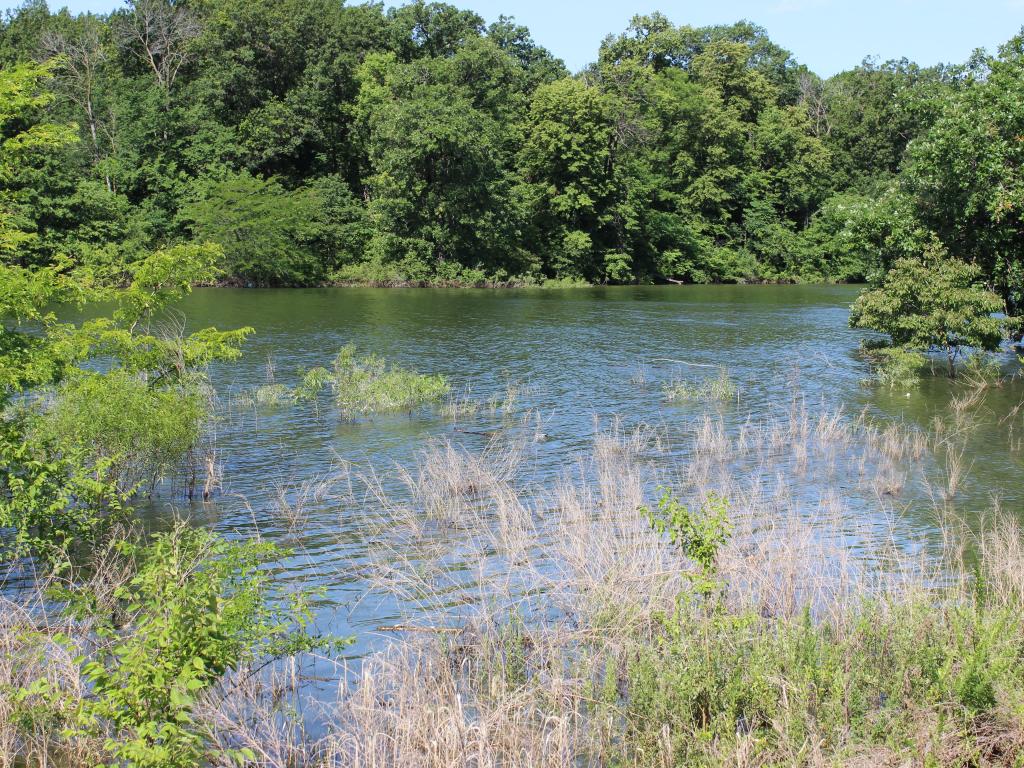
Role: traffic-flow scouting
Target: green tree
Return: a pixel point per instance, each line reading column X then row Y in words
column 964, row 173
column 933, row 303
column 265, row 231
column 567, row 162
column 438, row 144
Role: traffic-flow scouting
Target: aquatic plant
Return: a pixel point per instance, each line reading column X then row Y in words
column 897, row 367
column 143, row 433
column 369, row 385
column 461, row 406
column 601, row 643
column 721, row 388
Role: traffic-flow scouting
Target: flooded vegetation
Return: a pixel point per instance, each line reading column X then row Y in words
column 557, row 562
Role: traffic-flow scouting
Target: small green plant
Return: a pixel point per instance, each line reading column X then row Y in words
column 719, row 389
column 699, row 534
column 198, row 607
column 368, row 385
column 363, row 386
column 272, row 395
column 314, row 381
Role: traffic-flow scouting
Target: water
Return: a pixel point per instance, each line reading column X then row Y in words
column 576, row 359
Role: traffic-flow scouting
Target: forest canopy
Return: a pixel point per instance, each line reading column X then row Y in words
column 317, row 142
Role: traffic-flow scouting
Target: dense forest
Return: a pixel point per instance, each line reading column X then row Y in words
column 318, row 142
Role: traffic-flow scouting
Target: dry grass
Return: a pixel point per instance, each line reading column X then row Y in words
column 548, row 593
column 36, row 646
column 530, row 607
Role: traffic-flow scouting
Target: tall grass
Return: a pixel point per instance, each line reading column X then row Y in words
column 552, row 625
column 571, row 633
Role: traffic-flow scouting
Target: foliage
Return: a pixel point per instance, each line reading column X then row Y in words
column 699, row 534
column 317, row 142
column 53, row 503
column 964, row 172
column 898, row 367
column 265, row 232
column 933, row 303
column 140, row 433
column 893, row 678
column 197, row 608
column 369, row 385
column 87, row 412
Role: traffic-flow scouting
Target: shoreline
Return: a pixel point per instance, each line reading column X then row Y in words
column 514, row 284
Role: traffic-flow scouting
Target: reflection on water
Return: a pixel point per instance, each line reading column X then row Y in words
column 550, row 370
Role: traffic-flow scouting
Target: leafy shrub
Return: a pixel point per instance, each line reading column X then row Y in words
column 198, row 607
column 52, row 502
column 143, row 433
column 898, row 367
column 698, row 534
column 934, row 303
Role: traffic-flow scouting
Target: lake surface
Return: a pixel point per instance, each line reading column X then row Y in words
column 574, row 360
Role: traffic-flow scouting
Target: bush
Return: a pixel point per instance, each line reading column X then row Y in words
column 933, row 303
column 145, row 434
column 898, row 367
column 197, row 608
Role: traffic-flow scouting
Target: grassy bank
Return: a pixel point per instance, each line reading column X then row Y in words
column 731, row 618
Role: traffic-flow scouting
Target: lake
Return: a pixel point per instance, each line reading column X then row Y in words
column 561, row 365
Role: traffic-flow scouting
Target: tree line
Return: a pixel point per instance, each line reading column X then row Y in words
column 316, row 142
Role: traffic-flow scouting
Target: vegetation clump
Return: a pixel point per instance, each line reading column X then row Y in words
column 932, row 304
column 897, row 367
column 145, row 433
column 698, row 632
column 721, row 389
column 368, row 385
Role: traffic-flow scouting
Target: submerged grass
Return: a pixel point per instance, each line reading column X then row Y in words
column 369, row 385
column 815, row 634
column 362, row 386
column 721, row 388
column 783, row 612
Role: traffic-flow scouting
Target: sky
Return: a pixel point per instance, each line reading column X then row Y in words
column 826, row 35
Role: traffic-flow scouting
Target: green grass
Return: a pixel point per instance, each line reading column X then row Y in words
column 719, row 389
column 937, row 683
column 369, row 385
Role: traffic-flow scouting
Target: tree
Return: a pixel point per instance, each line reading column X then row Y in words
column 873, row 112
column 568, row 167
column 437, row 138
column 964, row 173
column 264, row 230
column 162, row 31
column 26, row 139
column 933, row 303
column 82, row 55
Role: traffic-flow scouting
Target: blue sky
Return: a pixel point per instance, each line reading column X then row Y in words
column 827, row 35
